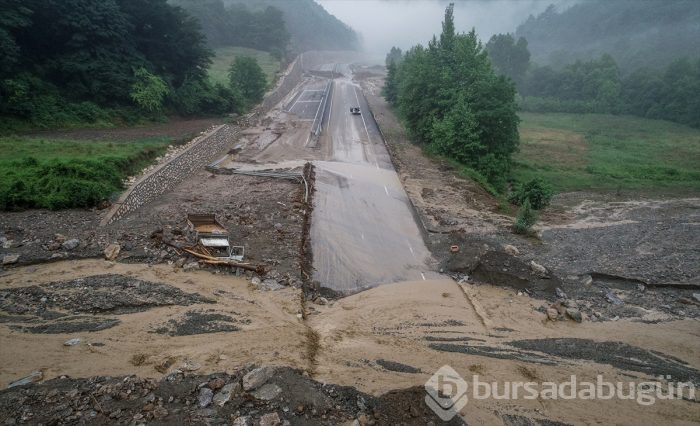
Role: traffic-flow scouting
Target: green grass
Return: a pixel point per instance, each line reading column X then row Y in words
column 218, row 72
column 605, row 152
column 57, row 174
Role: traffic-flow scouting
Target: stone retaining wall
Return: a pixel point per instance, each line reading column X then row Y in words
column 170, row 174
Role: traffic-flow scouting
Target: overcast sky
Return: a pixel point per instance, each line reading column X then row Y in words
column 405, row 23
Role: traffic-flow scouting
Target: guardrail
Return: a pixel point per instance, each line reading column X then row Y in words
column 317, row 125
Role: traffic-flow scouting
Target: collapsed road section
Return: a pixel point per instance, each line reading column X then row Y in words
column 363, row 230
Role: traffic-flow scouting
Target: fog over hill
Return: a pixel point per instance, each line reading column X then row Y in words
column 405, row 23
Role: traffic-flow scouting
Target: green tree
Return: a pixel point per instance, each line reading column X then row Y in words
column 509, row 57
column 525, row 219
column 248, row 79
column 390, row 89
column 148, row 91
column 394, row 56
column 536, row 192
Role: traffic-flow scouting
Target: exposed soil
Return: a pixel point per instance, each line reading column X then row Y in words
column 264, row 215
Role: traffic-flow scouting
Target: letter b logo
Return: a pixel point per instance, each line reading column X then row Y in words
column 446, row 392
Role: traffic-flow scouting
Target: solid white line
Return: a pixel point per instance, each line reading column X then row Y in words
column 330, row 110
column 422, row 275
column 305, row 102
column 369, row 139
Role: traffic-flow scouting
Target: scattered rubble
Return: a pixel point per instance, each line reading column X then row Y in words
column 185, row 399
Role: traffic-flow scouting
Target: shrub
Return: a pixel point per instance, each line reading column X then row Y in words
column 200, row 96
column 148, row 91
column 525, row 219
column 536, row 191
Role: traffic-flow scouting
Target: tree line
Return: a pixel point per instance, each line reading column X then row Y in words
column 599, row 86
column 82, row 61
column 237, row 25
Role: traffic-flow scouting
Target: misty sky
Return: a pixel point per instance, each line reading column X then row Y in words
column 405, row 23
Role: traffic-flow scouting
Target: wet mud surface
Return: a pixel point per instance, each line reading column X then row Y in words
column 53, row 307
column 617, row 354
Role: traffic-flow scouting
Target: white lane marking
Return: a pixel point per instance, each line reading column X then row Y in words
column 376, row 165
column 330, row 109
column 369, row 139
column 306, row 102
column 422, row 275
column 411, row 249
column 386, row 190
column 362, row 235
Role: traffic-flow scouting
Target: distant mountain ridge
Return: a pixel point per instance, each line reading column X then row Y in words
column 310, row 26
column 649, row 33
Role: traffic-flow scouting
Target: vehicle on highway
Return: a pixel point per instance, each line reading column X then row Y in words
column 355, row 110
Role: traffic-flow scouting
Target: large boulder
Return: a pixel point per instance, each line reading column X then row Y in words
column 112, row 251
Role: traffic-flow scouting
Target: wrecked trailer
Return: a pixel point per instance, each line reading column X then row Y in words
column 214, row 237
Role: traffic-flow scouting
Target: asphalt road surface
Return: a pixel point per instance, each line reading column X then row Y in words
column 363, row 232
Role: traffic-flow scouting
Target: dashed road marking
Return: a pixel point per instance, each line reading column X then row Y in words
column 369, row 139
column 386, row 190
column 422, row 275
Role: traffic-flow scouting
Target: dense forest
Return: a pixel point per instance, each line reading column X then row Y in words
column 454, row 103
column 81, row 61
column 649, row 33
column 237, row 25
column 310, row 26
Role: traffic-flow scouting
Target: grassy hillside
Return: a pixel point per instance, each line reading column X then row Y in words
column 58, row 174
column 605, row 152
column 218, row 72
